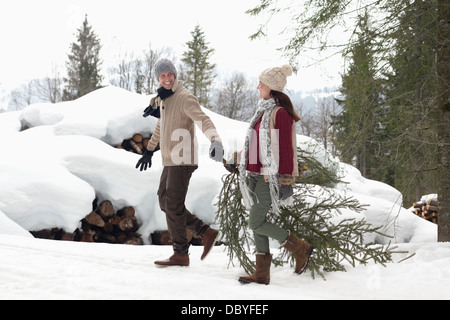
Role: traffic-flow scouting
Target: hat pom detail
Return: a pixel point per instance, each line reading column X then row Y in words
column 286, row 70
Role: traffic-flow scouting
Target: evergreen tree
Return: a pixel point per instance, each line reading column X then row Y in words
column 418, row 22
column 358, row 126
column 443, row 93
column 83, row 67
column 411, row 102
column 199, row 71
column 314, row 215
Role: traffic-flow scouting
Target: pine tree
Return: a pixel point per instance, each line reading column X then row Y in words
column 443, row 84
column 358, row 126
column 83, row 67
column 411, row 105
column 314, row 215
column 422, row 23
column 199, row 71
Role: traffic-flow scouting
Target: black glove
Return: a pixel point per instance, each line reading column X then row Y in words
column 149, row 111
column 286, row 191
column 146, row 160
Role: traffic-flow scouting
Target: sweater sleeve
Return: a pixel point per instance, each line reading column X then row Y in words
column 284, row 124
column 194, row 111
column 155, row 138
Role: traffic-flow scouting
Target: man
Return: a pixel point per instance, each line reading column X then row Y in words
column 178, row 110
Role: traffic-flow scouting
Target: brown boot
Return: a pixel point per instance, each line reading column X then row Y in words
column 262, row 272
column 301, row 250
column 175, row 260
column 209, row 240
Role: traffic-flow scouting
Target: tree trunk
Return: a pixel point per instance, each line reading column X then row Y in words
column 443, row 82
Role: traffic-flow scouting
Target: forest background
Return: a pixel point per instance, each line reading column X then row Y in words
column 388, row 117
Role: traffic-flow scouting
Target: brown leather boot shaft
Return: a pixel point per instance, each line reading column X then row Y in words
column 262, row 272
column 301, row 250
column 209, row 240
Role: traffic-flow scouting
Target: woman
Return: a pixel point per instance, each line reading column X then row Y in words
column 269, row 163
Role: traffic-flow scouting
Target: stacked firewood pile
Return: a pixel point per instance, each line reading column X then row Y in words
column 101, row 225
column 136, row 144
column 427, row 210
column 164, row 238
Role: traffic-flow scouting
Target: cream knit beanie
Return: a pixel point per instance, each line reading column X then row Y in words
column 275, row 78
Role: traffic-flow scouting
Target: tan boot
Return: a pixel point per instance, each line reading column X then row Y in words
column 209, row 240
column 175, row 260
column 301, row 250
column 262, row 272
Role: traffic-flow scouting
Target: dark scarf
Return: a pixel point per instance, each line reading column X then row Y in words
column 163, row 94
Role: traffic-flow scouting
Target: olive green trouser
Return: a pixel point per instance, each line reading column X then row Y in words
column 262, row 229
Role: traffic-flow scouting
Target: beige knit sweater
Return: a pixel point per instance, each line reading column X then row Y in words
column 175, row 130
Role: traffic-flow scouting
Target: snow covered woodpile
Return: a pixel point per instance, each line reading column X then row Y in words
column 427, row 208
column 101, row 225
column 136, row 144
column 164, row 238
column 52, row 172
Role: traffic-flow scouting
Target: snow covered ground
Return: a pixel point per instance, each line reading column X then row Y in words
column 51, row 173
column 45, row 269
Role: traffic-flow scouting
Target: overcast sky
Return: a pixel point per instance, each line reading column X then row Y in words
column 36, row 34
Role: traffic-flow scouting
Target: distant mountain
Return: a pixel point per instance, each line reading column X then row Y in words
column 309, row 98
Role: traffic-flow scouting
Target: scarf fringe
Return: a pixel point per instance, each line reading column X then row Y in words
column 265, row 108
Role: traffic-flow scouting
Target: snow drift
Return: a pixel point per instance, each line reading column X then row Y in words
column 51, row 173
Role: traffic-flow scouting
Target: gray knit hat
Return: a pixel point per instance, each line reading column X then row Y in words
column 275, row 78
column 164, row 65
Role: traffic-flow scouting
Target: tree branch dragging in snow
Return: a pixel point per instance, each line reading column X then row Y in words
column 319, row 215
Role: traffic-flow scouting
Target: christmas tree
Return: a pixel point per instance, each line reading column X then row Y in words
column 315, row 215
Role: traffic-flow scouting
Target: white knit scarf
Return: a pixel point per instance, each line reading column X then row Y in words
column 265, row 108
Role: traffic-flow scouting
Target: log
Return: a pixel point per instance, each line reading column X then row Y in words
column 417, row 205
column 126, row 145
column 109, row 227
column 95, row 219
column 134, row 240
column 161, row 238
column 87, row 236
column 43, row 234
column 138, row 138
column 126, row 212
column 128, row 224
column 68, row 236
column 105, row 209
column 135, row 147
column 105, row 237
column 121, row 237
column 145, row 142
column 115, row 220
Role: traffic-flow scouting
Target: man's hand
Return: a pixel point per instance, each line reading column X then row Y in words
column 216, row 152
column 146, row 160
